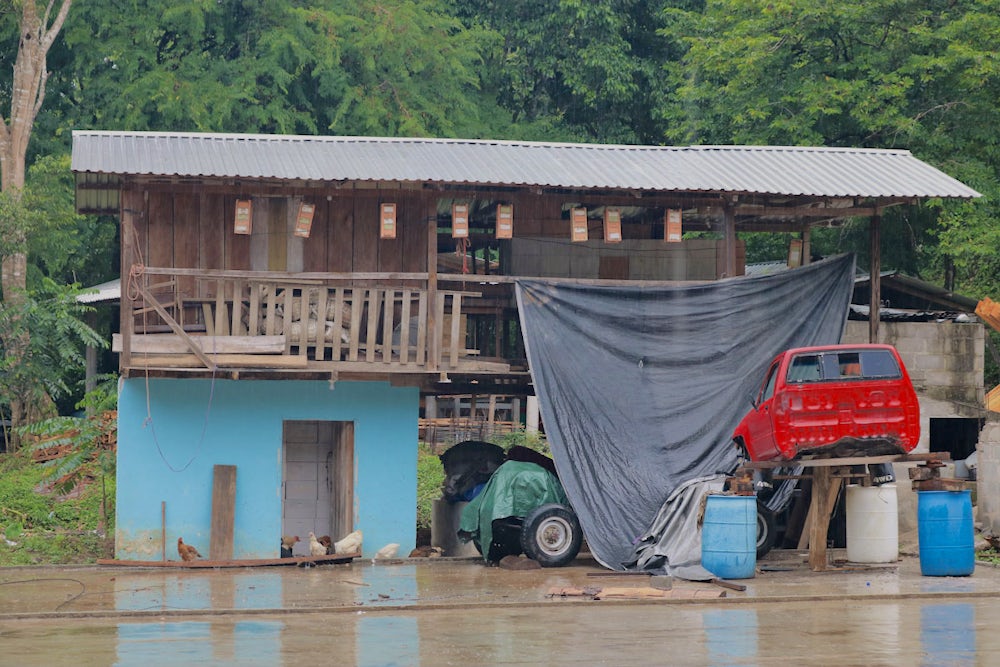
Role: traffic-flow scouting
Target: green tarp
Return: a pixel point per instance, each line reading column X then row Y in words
column 515, row 489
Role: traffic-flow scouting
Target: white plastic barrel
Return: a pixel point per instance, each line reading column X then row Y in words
column 872, row 524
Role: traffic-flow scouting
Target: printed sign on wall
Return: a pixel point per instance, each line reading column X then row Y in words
column 244, row 217
column 460, row 221
column 505, row 221
column 304, row 220
column 578, row 224
column 388, row 224
column 672, row 228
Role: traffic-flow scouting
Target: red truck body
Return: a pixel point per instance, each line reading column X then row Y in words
column 837, row 400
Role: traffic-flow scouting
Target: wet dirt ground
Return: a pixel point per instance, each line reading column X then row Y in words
column 459, row 612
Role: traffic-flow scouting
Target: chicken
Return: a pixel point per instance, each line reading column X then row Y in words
column 187, row 552
column 288, row 543
column 388, row 551
column 350, row 544
column 315, row 548
column 326, row 542
column 427, row 551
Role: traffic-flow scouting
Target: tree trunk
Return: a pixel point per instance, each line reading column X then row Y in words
column 27, row 93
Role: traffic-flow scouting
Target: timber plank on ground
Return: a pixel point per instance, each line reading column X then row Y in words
column 250, row 562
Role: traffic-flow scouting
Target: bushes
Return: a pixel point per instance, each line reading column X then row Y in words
column 430, row 477
column 47, row 529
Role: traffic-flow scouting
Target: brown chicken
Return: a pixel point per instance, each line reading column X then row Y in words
column 187, row 552
column 288, row 543
column 325, row 541
column 427, row 551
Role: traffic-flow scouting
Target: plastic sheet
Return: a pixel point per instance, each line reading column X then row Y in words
column 640, row 387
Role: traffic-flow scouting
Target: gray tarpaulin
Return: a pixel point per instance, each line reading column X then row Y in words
column 640, row 387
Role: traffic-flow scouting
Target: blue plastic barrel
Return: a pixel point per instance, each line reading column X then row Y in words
column 729, row 536
column 945, row 534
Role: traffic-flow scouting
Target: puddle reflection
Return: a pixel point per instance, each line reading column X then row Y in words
column 242, row 643
column 731, row 636
column 253, row 590
column 948, row 634
column 388, row 641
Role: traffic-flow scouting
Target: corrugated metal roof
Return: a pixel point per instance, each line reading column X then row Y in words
column 109, row 291
column 779, row 170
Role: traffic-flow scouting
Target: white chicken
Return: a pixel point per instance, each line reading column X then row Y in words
column 351, row 543
column 388, row 551
column 315, row 547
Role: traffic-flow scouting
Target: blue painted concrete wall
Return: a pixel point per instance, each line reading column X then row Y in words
column 166, row 452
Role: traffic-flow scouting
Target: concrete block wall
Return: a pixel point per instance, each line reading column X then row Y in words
column 944, row 359
column 988, row 476
column 945, row 363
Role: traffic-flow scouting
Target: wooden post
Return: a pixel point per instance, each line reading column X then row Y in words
column 531, row 415
column 223, row 512
column 825, row 488
column 433, row 323
column 163, row 530
column 729, row 218
column 132, row 214
column 875, row 278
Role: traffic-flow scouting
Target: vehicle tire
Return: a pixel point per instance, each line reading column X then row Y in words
column 551, row 535
column 767, row 530
column 742, row 455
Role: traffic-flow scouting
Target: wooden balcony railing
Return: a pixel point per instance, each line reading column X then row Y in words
column 197, row 319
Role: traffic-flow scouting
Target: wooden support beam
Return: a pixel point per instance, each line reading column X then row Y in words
column 220, row 545
column 173, row 344
column 875, row 279
column 177, row 328
column 824, row 497
column 275, row 361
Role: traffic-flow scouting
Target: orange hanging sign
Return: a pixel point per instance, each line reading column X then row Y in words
column 387, row 226
column 304, row 220
column 460, row 221
column 794, row 253
column 612, row 225
column 505, row 221
column 244, row 217
column 672, row 226
column 578, row 224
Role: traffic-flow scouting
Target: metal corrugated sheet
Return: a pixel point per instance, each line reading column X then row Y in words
column 781, row 170
column 109, row 291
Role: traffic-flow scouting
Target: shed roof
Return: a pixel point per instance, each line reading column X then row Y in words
column 765, row 170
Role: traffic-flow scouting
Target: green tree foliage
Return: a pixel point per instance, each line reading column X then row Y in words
column 64, row 246
column 54, row 316
column 574, row 69
column 388, row 67
column 918, row 74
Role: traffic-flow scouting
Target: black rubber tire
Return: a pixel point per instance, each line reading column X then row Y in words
column 767, row 530
column 551, row 535
column 742, row 455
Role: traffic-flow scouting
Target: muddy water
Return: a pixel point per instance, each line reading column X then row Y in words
column 465, row 614
column 828, row 633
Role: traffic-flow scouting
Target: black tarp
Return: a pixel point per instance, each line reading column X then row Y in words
column 640, row 387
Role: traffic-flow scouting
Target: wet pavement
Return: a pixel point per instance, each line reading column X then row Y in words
column 459, row 612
